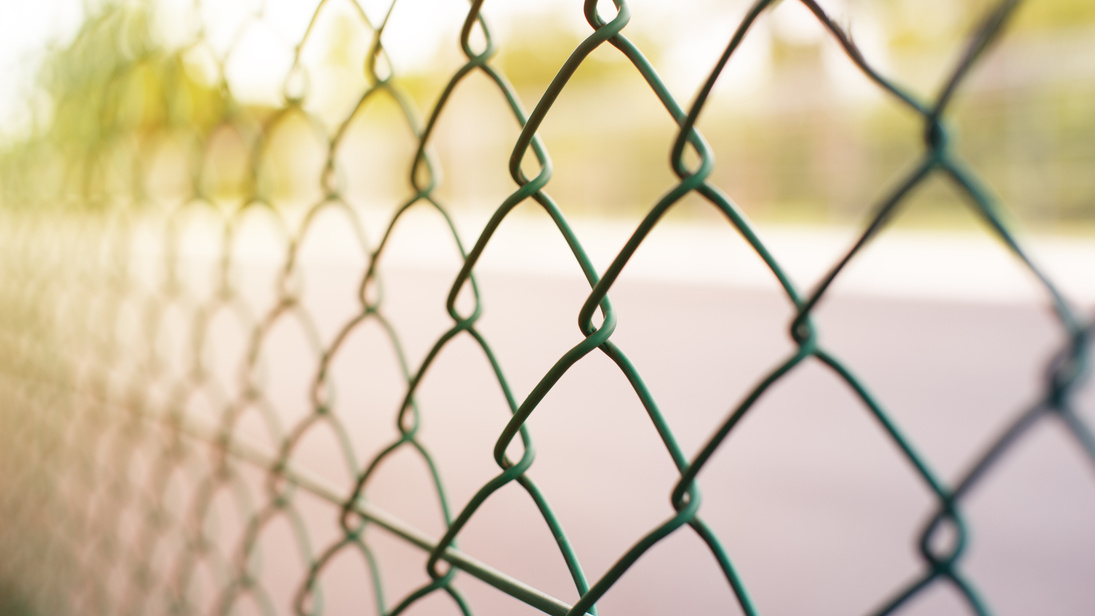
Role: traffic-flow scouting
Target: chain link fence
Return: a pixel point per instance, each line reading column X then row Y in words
column 143, row 466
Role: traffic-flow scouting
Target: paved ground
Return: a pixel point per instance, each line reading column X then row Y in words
column 813, row 501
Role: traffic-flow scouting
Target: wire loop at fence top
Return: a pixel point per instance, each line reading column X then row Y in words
column 52, row 455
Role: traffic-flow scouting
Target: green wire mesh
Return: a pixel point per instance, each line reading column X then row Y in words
column 84, row 407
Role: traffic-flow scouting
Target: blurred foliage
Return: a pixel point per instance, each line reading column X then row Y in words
column 921, row 24
column 132, row 116
column 113, row 91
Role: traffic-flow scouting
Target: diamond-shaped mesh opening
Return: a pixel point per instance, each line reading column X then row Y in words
column 301, row 311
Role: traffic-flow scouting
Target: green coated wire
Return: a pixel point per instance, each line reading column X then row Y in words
column 62, row 305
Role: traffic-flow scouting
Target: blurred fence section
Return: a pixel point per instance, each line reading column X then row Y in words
column 176, row 434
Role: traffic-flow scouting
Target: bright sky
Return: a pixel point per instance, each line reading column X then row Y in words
column 26, row 28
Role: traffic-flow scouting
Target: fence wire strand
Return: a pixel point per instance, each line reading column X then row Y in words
column 84, row 532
